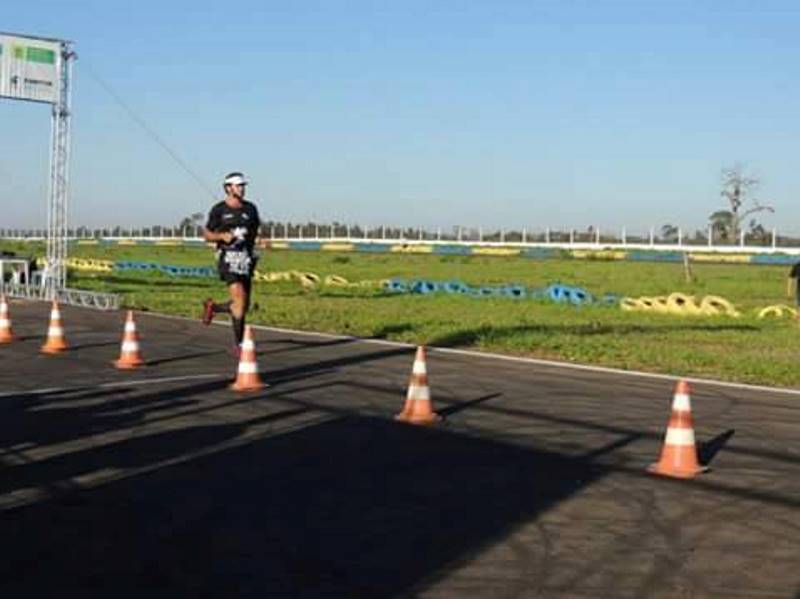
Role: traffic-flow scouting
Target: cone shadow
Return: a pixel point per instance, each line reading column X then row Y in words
column 706, row 451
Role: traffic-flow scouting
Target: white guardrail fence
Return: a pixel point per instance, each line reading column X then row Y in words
column 592, row 238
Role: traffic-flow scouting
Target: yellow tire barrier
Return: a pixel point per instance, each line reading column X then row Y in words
column 307, row 279
column 660, row 304
column 777, row 311
column 87, row 265
column 681, row 305
column 336, row 281
column 310, row 279
column 646, row 302
column 631, row 304
column 712, row 305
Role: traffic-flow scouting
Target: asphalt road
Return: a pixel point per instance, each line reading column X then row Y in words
column 162, row 481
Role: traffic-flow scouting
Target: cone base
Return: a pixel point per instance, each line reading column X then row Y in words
column 128, row 364
column 53, row 349
column 245, row 387
column 660, row 470
column 424, row 420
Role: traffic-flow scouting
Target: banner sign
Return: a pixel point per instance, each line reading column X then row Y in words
column 29, row 68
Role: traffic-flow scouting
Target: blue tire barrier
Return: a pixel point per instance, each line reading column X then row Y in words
column 484, row 291
column 423, row 287
column 610, row 299
column 456, row 287
column 579, row 296
column 396, row 286
column 515, row 291
column 557, row 293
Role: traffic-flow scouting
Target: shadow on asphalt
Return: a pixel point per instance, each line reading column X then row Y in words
column 351, row 507
column 471, row 336
column 707, row 450
column 182, row 357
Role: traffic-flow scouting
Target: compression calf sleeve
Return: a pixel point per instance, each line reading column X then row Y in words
column 238, row 329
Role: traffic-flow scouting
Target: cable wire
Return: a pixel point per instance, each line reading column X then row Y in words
column 149, row 130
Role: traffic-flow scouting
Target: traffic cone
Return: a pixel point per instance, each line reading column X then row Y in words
column 55, row 342
column 247, row 378
column 6, row 334
column 417, row 409
column 130, row 355
column 679, row 454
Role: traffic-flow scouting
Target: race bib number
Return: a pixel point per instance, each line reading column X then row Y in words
column 237, row 263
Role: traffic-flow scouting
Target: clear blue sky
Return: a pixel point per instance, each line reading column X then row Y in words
column 509, row 113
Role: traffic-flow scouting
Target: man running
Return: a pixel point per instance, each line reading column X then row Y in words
column 233, row 225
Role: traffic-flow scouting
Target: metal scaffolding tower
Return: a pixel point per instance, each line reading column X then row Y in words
column 55, row 274
column 39, row 69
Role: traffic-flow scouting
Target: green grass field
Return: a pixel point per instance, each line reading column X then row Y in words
column 744, row 349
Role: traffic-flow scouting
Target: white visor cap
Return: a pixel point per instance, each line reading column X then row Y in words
column 235, row 180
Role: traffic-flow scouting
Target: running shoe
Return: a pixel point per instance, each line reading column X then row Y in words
column 208, row 311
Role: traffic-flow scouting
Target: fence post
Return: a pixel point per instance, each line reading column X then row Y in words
column 502, row 235
column 773, row 238
column 524, row 235
column 597, row 235
column 459, row 233
column 624, row 237
column 572, row 236
column 710, row 236
column 438, row 233
column 547, row 235
column 741, row 238
column 480, row 234
column 680, row 236
column 652, row 237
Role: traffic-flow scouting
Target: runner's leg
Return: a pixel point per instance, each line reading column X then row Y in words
column 237, row 308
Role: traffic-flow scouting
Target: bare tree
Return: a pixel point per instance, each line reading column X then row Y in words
column 669, row 232
column 738, row 190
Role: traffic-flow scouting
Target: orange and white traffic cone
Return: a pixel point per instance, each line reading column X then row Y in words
column 55, row 342
column 679, row 454
column 418, row 409
column 247, row 378
column 130, row 356
column 6, row 334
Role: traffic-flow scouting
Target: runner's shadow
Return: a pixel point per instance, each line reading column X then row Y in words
column 90, row 345
column 170, row 360
column 339, row 362
column 706, row 451
column 298, row 345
